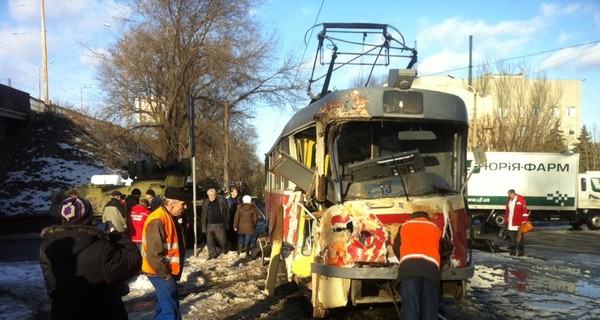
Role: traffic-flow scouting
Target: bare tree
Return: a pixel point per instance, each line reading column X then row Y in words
column 211, row 51
column 373, row 81
column 523, row 116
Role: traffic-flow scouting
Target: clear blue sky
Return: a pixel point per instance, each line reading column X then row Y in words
column 501, row 30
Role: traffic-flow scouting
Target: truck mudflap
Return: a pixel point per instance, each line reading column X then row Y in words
column 389, row 273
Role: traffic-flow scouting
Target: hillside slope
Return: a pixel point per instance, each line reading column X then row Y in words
column 55, row 152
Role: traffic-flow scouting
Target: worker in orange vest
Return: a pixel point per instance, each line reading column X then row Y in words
column 417, row 246
column 163, row 251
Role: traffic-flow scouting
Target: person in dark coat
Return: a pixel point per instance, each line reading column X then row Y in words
column 244, row 223
column 131, row 200
column 86, row 270
column 233, row 201
column 155, row 201
column 214, row 220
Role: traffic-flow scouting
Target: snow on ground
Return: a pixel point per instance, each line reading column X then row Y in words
column 231, row 287
column 30, row 199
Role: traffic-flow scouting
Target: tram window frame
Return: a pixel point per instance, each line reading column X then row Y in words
column 299, row 141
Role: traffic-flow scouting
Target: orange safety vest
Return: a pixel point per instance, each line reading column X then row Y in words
column 170, row 245
column 420, row 239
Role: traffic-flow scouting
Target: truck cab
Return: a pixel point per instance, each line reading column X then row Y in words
column 588, row 203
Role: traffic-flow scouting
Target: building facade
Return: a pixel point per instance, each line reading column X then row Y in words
column 568, row 107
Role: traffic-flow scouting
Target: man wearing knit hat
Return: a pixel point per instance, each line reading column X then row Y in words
column 86, row 270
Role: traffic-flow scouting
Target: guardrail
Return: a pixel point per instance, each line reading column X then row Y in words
column 39, row 106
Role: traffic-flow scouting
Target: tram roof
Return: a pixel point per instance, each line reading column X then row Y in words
column 437, row 106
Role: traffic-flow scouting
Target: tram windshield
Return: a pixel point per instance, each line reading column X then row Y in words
column 391, row 159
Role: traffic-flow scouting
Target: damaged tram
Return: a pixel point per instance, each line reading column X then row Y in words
column 350, row 168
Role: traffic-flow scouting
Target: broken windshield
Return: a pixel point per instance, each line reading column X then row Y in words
column 391, row 159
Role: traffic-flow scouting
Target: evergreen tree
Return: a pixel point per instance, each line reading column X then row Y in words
column 555, row 141
column 584, row 148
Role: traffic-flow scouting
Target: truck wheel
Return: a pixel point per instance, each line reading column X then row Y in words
column 496, row 220
column 593, row 221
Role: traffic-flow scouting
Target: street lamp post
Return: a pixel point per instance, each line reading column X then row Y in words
column 44, row 56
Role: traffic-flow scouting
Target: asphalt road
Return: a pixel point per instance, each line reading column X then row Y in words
column 20, row 237
column 550, row 242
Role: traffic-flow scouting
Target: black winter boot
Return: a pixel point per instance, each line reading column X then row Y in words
column 240, row 249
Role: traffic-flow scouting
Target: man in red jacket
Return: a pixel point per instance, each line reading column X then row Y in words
column 516, row 214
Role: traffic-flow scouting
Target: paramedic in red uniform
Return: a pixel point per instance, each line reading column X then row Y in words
column 516, row 214
column 418, row 248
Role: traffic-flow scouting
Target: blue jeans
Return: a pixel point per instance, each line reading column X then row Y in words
column 244, row 239
column 167, row 305
column 420, row 299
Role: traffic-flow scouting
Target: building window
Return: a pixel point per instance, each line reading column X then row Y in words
column 571, row 131
column 571, row 111
column 502, row 112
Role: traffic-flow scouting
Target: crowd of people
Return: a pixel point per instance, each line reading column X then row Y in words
column 86, row 267
column 88, row 263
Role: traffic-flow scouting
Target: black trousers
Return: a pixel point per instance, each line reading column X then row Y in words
column 516, row 247
column 215, row 231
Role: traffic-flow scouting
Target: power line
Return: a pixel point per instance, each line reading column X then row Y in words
column 55, row 72
column 23, row 4
column 528, row 55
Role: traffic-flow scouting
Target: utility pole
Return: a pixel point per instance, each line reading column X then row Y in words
column 471, row 60
column 470, row 85
column 45, row 58
column 226, row 146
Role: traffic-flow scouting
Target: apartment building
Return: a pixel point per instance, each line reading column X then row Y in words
column 480, row 103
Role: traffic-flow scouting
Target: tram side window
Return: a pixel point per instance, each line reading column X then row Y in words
column 280, row 182
column 305, row 143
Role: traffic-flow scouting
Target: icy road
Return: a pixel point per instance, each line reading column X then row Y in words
column 559, row 278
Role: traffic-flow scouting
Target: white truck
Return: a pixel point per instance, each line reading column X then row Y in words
column 550, row 183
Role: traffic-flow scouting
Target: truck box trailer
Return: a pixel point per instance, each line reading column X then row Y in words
column 550, row 183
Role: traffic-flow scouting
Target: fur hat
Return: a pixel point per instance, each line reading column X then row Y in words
column 76, row 211
column 176, row 193
column 247, row 199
